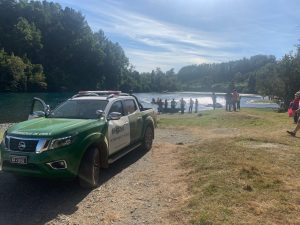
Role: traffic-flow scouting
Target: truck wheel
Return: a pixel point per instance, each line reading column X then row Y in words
column 148, row 139
column 89, row 172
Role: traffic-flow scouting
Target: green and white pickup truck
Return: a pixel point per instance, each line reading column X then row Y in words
column 82, row 135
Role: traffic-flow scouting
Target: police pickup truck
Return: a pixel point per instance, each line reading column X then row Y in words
column 79, row 137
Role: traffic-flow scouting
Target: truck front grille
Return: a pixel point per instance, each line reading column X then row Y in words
column 22, row 145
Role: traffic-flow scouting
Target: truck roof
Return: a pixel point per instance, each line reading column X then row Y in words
column 101, row 95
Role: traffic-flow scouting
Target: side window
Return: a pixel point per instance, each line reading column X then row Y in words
column 129, row 106
column 38, row 106
column 116, row 107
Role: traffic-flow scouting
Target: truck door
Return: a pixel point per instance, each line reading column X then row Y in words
column 135, row 119
column 38, row 108
column 118, row 129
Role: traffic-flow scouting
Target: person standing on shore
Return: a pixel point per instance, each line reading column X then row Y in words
column 235, row 96
column 214, row 100
column 228, row 99
column 166, row 103
column 196, row 105
column 238, row 103
column 160, row 105
column 295, row 106
column 191, row 105
column 182, row 105
column 296, row 111
column 173, row 104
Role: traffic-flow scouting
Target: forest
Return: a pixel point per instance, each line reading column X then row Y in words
column 45, row 47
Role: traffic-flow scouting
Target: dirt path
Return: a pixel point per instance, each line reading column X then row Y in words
column 142, row 188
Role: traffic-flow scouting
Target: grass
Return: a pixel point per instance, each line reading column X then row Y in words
column 264, row 101
column 244, row 169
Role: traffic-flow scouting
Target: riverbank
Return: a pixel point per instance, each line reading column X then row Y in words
column 215, row 168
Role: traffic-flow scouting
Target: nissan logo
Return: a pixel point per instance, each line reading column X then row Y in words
column 21, row 145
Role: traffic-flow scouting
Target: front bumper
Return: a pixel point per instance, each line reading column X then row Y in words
column 40, row 164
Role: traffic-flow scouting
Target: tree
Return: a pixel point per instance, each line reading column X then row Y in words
column 17, row 74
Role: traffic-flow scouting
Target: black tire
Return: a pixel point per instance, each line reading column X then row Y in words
column 89, row 171
column 148, row 138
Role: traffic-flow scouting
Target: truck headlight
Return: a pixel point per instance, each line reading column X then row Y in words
column 61, row 142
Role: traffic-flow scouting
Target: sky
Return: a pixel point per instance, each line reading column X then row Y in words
column 175, row 33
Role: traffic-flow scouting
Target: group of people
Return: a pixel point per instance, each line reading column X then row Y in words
column 164, row 104
column 232, row 101
column 192, row 102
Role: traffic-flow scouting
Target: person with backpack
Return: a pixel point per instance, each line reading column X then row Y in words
column 294, row 105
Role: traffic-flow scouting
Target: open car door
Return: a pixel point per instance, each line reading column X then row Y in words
column 38, row 108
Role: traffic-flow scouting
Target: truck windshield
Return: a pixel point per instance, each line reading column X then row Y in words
column 78, row 109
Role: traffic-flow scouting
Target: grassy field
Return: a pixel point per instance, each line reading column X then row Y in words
column 244, row 169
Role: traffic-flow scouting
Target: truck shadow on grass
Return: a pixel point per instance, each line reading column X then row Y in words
column 37, row 201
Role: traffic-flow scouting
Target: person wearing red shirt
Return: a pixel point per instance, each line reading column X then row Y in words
column 295, row 106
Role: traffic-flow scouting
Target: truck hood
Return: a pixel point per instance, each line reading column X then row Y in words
column 45, row 127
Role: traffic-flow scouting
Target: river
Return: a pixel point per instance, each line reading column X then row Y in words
column 14, row 107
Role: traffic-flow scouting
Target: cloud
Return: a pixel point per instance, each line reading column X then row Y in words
column 174, row 45
column 172, row 34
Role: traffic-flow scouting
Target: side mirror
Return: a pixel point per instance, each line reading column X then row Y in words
column 39, row 114
column 114, row 116
column 47, row 110
column 100, row 113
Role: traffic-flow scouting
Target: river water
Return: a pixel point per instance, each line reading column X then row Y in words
column 15, row 107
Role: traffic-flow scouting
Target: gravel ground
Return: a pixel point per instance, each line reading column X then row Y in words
column 141, row 188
